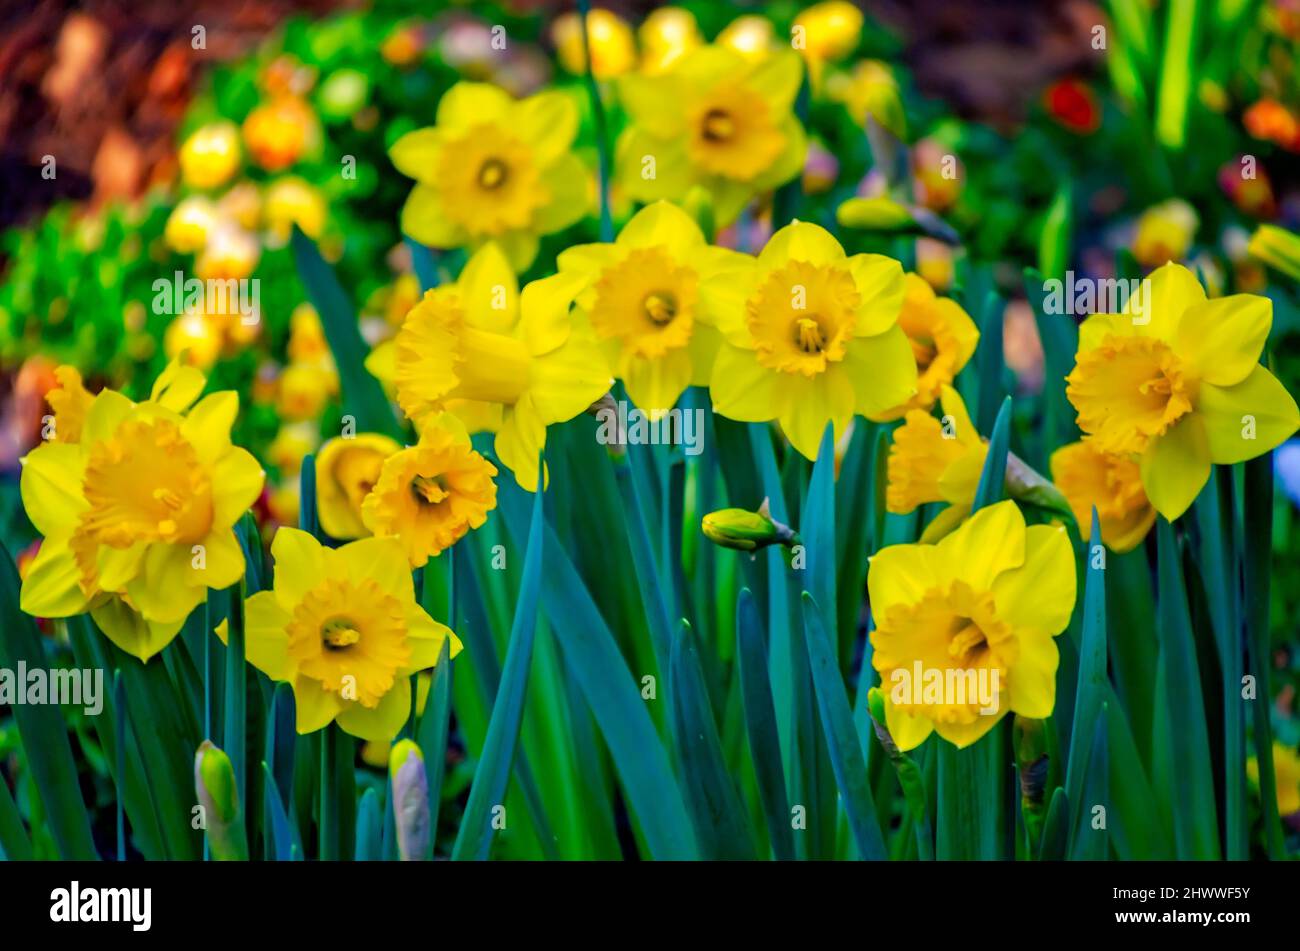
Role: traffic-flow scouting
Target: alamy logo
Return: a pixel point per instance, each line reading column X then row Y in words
column 947, row 686
column 67, row 687
column 1084, row 296
column 215, row 296
column 620, row 425
column 133, row 905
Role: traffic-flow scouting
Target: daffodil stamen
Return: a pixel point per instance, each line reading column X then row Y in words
column 660, row 307
column 338, row 633
column 718, row 126
column 428, row 490
column 493, row 173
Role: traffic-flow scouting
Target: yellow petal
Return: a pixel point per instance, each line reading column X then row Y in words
column 207, row 427
column 520, row 248
column 1168, row 292
column 238, row 480
column 776, row 78
column 316, row 706
column 1031, row 680
column 265, row 642
column 52, row 586
column 566, row 381
column 569, row 183
column 1247, row 419
column 1176, row 466
column 789, row 163
column 178, row 386
column 416, row 154
column 489, row 291
column 520, row 439
column 880, row 282
column 723, row 294
column 1040, row 594
column 1223, row 338
column 656, row 385
column 383, row 560
column 50, row 486
column 909, row 731
column 466, row 105
column 424, row 220
column 962, row 735
column 743, row 389
column 380, row 723
column 1099, row 326
column 299, row 565
column 663, row 224
column 881, row 371
column 426, row 639
column 224, row 560
column 993, row 541
column 548, row 122
column 382, row 361
column 811, row 404
column 649, row 168
column 652, row 102
column 944, row 524
column 168, row 586
column 801, row 241
column 132, row 633
column 900, row 575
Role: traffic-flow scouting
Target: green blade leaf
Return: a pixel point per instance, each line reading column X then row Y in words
column 993, row 479
column 1092, row 681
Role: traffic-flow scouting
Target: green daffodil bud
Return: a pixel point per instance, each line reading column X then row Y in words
column 744, row 530
column 1032, row 765
column 214, row 783
column 887, row 216
column 410, row 801
column 909, row 774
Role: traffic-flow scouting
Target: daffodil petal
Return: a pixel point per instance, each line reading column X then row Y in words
column 1223, row 338
column 663, row 224
column 569, row 182
column 901, row 574
column 801, row 241
column 416, row 154
column 1167, row 294
column 811, row 404
column 238, row 479
column 993, row 541
column 382, row 722
column 131, row 632
column 383, row 560
column 299, row 565
column 1039, row 595
column 52, row 586
column 1247, row 419
column 881, row 370
column 655, row 385
column 1031, row 681
column 908, row 730
column 466, row 105
column 1176, row 466
column 520, row 439
column 743, row 389
column 266, row 643
column 316, row 706
column 207, row 427
column 424, row 220
column 548, row 122
column 880, row 282
column 489, row 291
column 50, row 486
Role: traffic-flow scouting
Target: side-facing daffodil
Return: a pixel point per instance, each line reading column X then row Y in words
column 1286, row 772
column 431, row 494
column 810, row 336
column 716, row 120
column 1112, row 484
column 342, row 626
column 641, row 295
column 943, row 338
column 964, row 629
column 1175, row 382
column 137, row 515
column 493, row 169
column 932, row 460
column 210, row 155
column 826, row 32
column 347, row 468
column 480, row 340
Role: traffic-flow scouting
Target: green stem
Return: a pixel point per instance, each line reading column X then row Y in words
column 328, row 821
column 598, row 114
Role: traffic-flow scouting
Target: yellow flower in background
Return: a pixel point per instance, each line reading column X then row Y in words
column 137, row 515
column 431, row 494
column 307, row 343
column 347, row 468
column 195, row 338
column 978, row 611
column 242, row 204
column 190, row 224
column 943, row 339
column 1175, row 382
column 933, row 460
column 613, row 49
column 667, row 34
column 811, row 336
column 1113, row 484
column 210, row 155
column 714, row 120
column 342, row 626
column 751, row 35
column 479, row 340
column 870, row 91
column 291, row 444
column 280, row 132
column 1286, row 770
column 1165, row 232
column 303, row 390
column 230, row 254
column 641, row 295
column 375, row 754
column 70, row 402
column 826, row 32
column 291, row 201
column 493, row 169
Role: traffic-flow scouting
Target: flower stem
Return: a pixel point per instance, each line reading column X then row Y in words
column 598, row 113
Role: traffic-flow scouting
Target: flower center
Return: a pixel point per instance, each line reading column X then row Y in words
column 966, row 641
column 145, row 483
column 429, row 490
column 1127, row 390
column 339, row 632
column 802, row 317
column 718, row 126
column 492, row 173
column 647, row 301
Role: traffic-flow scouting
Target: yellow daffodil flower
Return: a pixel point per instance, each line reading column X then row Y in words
column 751, row 36
column 716, row 121
column 936, row 461
column 1286, row 769
column 138, row 514
column 342, row 626
column 190, row 224
column 290, row 446
column 943, row 339
column 70, row 402
column 481, row 340
column 1175, row 382
column 667, row 34
column 347, row 468
column 292, row 201
column 493, row 169
column 826, row 32
column 613, row 48
column 230, row 254
column 964, row 629
column 431, row 494
column 1165, row 232
column 810, row 336
column 870, row 91
column 280, row 132
column 304, row 389
column 641, row 295
column 210, row 155
column 1113, row 484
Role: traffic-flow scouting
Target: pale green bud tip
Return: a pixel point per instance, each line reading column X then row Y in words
column 214, row 782
column 401, row 751
column 1276, row 247
column 876, row 707
column 876, row 704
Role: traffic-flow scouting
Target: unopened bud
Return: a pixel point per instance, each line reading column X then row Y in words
column 744, row 530
column 410, row 800
column 214, row 783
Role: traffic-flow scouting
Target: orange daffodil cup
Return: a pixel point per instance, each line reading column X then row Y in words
column 1177, row 386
